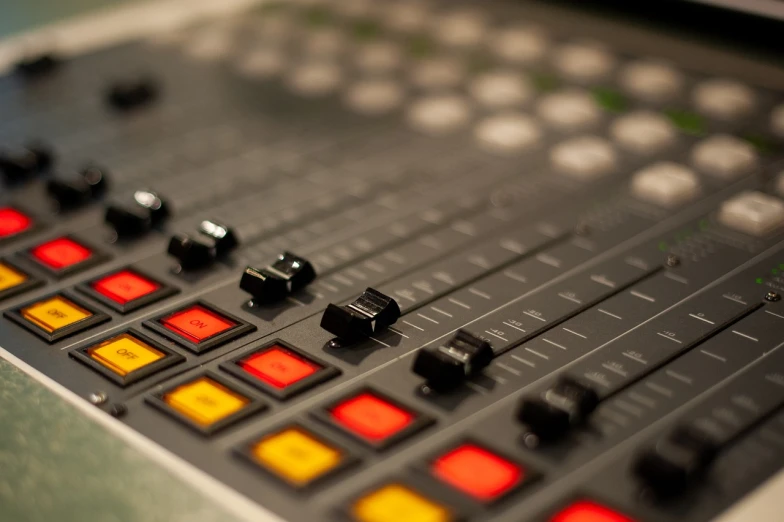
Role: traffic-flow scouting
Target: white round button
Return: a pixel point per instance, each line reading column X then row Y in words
column 753, row 213
column 519, row 44
column 378, row 57
column 508, row 132
column 665, row 184
column 437, row 73
column 275, row 28
column 584, row 158
column 374, row 96
column 460, row 29
column 724, row 156
column 406, row 17
column 777, row 120
column 324, row 42
column 211, row 44
column 315, row 79
column 439, row 114
column 724, row 99
column 570, row 109
column 583, row 62
column 501, row 88
column 643, row 132
column 261, row 63
column 651, row 81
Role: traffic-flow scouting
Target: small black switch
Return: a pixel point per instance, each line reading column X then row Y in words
column 130, row 94
column 190, row 253
column 288, row 274
column 37, row 66
column 138, row 214
column 221, row 235
column 370, row 313
column 77, row 189
column 675, row 463
column 448, row 365
column 560, row 408
column 22, row 163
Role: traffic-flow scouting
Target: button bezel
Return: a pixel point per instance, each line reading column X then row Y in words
column 346, row 508
column 241, row 328
column 161, row 293
column 256, row 405
column 97, row 257
column 88, row 322
column 35, row 226
column 326, row 372
column 245, row 452
column 28, row 284
column 170, row 359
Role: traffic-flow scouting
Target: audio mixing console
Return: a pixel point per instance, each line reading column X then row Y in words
column 410, row 261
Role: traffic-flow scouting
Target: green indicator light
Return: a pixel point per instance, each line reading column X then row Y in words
column 687, row 122
column 663, row 246
column 758, row 280
column 610, row 100
column 420, row 47
column 545, row 82
column 366, row 30
column 318, row 17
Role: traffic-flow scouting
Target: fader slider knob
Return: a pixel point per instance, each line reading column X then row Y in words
column 560, row 408
column 288, row 274
column 77, row 189
column 191, row 253
column 446, row 366
column 137, row 215
column 126, row 95
column 221, row 235
column 370, row 313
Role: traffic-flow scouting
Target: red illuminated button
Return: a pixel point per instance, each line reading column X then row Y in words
column 197, row 324
column 372, row 417
column 61, row 253
column 478, row 472
column 279, row 367
column 13, row 222
column 589, row 511
column 125, row 286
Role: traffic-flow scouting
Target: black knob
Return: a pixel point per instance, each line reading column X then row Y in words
column 137, row 214
column 560, row 408
column 675, row 463
column 22, row 163
column 125, row 95
column 97, row 179
column 76, row 189
column 190, row 253
column 37, row 66
column 288, row 274
column 370, row 313
column 448, row 365
column 222, row 236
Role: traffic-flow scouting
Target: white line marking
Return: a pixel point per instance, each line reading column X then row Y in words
column 746, row 336
column 573, row 332
column 331, row 288
column 771, row 313
column 598, row 380
column 441, row 311
column 549, row 260
column 535, row 317
column 509, row 369
column 670, row 275
column 459, row 303
column 343, row 279
column 476, row 387
column 496, row 335
column 570, row 298
column 397, row 332
column 427, row 318
column 635, row 358
column 709, row 354
column 701, row 318
column 615, row 417
column 295, row 301
column 479, row 293
column 515, row 276
column 642, row 399
column 548, row 341
column 513, row 326
column 602, row 310
column 628, row 408
column 602, row 280
column 381, row 342
column 659, row 389
column 614, row 369
column 496, row 378
column 635, row 293
column 524, row 361
column 734, row 299
column 543, row 356
column 673, row 339
column 414, row 326
column 678, row 376
column 404, row 295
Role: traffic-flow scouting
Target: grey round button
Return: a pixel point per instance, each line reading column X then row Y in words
column 509, row 132
column 519, row 44
column 502, row 88
column 210, row 44
column 439, row 114
column 438, row 73
column 777, row 120
column 643, row 132
column 665, row 184
column 584, row 157
column 651, row 81
column 583, row 62
column 379, row 57
column 753, row 213
column 261, row 63
column 376, row 96
column 570, row 109
column 463, row 28
column 724, row 156
column 315, row 79
column 724, row 99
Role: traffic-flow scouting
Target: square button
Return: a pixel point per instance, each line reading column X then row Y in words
column 478, row 472
column 126, row 290
column 56, row 317
column 374, row 419
column 280, row 370
column 200, row 327
column 588, row 511
column 296, row 456
column 396, row 502
column 206, row 403
column 64, row 256
column 127, row 357
column 14, row 281
column 13, row 222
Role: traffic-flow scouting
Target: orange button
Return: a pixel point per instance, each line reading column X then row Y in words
column 13, row 222
column 197, row 324
column 61, row 253
column 589, row 511
column 477, row 472
column 279, row 367
column 125, row 286
column 372, row 417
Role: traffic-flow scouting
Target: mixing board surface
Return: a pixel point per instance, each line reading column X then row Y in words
column 382, row 262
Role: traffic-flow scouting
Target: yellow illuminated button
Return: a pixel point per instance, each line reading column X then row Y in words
column 395, row 502
column 205, row 401
column 54, row 313
column 124, row 354
column 10, row 278
column 296, row 456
